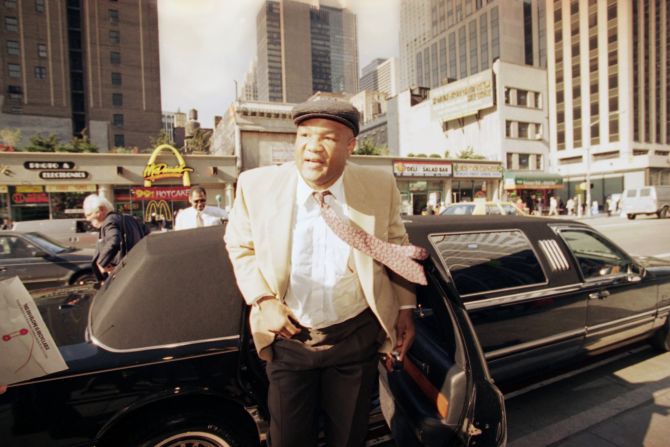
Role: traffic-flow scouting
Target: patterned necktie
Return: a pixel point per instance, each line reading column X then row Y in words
column 399, row 258
column 198, row 219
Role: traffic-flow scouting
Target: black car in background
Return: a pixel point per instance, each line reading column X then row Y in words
column 40, row 261
column 161, row 356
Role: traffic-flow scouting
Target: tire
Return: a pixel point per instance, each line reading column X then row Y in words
column 665, row 213
column 190, row 431
column 661, row 339
column 86, row 277
column 630, row 216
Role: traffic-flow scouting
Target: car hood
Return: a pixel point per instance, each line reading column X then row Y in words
column 650, row 262
column 81, row 255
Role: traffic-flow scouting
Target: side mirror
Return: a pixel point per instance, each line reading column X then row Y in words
column 635, row 272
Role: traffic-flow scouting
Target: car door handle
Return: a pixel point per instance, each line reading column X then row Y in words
column 601, row 294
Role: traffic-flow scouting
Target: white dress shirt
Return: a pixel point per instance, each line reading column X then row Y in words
column 323, row 288
column 188, row 217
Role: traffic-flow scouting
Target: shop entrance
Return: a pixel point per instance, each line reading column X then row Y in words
column 419, row 202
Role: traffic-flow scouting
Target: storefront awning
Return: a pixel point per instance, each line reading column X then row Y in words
column 531, row 180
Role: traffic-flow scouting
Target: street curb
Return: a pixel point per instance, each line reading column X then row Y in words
column 583, row 421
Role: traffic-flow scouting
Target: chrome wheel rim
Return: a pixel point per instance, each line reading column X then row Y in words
column 194, row 439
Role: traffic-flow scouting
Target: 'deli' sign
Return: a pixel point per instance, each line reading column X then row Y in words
column 159, row 171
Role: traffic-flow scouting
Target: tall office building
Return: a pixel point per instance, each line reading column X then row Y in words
column 70, row 65
column 445, row 40
column 609, row 84
column 305, row 47
column 380, row 75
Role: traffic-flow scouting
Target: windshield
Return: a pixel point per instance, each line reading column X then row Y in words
column 459, row 210
column 46, row 244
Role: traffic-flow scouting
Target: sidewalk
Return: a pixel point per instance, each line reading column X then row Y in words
column 627, row 408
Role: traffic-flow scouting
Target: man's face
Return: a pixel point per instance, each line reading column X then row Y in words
column 96, row 217
column 322, row 148
column 198, row 200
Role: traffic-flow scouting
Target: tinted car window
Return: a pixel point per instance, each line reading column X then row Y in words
column 596, row 256
column 489, row 261
column 646, row 192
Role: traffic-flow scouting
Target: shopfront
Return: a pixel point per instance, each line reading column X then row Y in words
column 534, row 188
column 151, row 186
column 426, row 186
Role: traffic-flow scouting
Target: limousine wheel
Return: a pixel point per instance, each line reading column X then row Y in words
column 200, row 432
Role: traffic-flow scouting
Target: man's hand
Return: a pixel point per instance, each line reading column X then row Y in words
column 108, row 269
column 404, row 332
column 3, row 388
column 276, row 317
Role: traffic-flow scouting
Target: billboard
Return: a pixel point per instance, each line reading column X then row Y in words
column 464, row 97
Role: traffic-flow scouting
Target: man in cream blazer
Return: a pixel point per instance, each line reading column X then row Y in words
column 325, row 368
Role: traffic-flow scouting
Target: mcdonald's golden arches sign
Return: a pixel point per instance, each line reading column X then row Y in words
column 159, row 171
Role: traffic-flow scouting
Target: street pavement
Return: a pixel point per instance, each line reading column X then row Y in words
column 620, row 404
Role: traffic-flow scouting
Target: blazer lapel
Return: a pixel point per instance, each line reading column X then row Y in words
column 360, row 214
column 279, row 227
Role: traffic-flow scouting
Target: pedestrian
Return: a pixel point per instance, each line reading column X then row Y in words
column 320, row 310
column 118, row 234
column 199, row 214
column 6, row 224
column 570, row 206
column 553, row 206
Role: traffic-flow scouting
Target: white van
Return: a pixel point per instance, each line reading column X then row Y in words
column 77, row 233
column 646, row 200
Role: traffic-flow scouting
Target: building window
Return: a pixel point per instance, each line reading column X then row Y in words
column 538, row 162
column 11, row 24
column 510, row 160
column 10, row 4
column 117, row 120
column 40, row 72
column 524, row 161
column 474, row 59
column 13, row 48
column 113, row 16
column 14, row 91
column 522, row 98
column 116, row 78
column 41, row 50
column 119, row 140
column 14, row 70
column 508, row 129
column 117, row 99
column 114, row 37
column 39, row 5
column 523, row 130
column 115, row 57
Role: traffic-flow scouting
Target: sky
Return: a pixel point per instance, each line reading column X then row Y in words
column 205, row 45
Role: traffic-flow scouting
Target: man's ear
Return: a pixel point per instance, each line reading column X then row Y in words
column 352, row 145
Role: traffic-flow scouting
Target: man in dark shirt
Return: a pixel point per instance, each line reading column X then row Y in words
column 118, row 233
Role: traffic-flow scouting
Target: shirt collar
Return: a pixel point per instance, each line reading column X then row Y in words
column 304, row 192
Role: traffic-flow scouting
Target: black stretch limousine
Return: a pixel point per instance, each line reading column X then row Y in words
column 161, row 356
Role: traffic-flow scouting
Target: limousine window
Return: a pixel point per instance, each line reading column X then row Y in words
column 595, row 256
column 489, row 261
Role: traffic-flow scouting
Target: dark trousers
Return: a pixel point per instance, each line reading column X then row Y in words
column 329, row 372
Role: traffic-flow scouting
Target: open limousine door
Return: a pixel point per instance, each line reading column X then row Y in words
column 442, row 394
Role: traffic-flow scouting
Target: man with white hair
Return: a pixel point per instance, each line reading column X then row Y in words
column 118, row 233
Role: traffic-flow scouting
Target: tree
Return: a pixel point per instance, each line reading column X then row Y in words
column 434, row 156
column 162, row 138
column 9, row 138
column 469, row 154
column 368, row 147
column 422, row 155
column 446, row 154
column 199, row 142
column 78, row 144
column 39, row 143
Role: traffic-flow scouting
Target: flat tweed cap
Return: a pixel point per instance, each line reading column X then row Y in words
column 340, row 111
